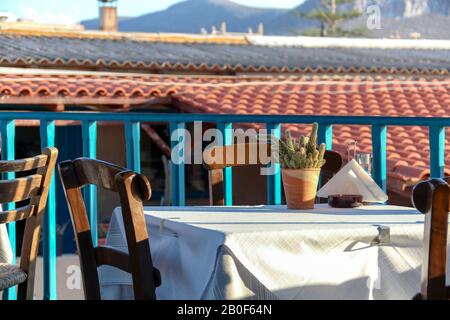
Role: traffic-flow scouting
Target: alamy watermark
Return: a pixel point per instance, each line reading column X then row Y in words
column 73, row 280
column 373, row 17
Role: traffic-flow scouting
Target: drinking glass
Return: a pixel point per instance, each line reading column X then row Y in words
column 365, row 161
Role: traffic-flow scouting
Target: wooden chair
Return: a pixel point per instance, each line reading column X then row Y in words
column 133, row 189
column 247, row 152
column 432, row 199
column 33, row 187
column 332, row 165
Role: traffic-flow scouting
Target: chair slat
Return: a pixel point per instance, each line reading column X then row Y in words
column 110, row 256
column 97, row 172
column 17, row 214
column 234, row 155
column 20, row 189
column 23, row 164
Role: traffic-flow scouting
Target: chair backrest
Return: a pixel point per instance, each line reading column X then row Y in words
column 215, row 159
column 32, row 186
column 432, row 199
column 133, row 189
column 333, row 163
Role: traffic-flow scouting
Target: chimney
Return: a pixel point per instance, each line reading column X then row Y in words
column 223, row 27
column 108, row 15
column 260, row 29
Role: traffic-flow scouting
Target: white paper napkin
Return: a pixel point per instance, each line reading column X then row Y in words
column 353, row 179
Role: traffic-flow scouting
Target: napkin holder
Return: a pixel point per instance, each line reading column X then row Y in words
column 352, row 179
column 345, row 200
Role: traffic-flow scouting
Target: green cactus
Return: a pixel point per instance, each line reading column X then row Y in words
column 302, row 153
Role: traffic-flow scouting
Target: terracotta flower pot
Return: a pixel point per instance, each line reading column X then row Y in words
column 300, row 187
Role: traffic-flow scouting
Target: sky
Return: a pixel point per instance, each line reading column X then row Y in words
column 66, row 11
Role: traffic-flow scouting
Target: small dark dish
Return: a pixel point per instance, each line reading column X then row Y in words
column 345, row 200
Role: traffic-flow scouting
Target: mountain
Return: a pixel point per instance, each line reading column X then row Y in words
column 289, row 23
column 405, row 18
column 193, row 15
column 427, row 26
column 406, row 8
column 399, row 18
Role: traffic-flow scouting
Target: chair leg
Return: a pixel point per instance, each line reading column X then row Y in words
column 30, row 253
column 22, row 291
column 25, row 291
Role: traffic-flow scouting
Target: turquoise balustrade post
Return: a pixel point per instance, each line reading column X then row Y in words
column 133, row 142
column 325, row 135
column 274, row 180
column 89, row 136
column 227, row 133
column 47, row 132
column 8, row 153
column 437, row 149
column 177, row 143
column 379, row 155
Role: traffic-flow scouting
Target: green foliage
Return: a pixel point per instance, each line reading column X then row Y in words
column 302, row 153
column 311, row 32
column 339, row 32
column 330, row 17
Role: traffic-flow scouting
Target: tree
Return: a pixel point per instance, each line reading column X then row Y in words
column 330, row 16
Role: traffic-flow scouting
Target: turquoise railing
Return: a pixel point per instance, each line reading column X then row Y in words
column 89, row 121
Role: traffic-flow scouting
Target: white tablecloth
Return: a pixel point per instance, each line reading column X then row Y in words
column 269, row 252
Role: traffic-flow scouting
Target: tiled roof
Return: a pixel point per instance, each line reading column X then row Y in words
column 82, row 89
column 180, row 53
column 407, row 147
column 408, row 150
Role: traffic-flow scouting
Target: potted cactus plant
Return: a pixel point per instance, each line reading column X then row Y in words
column 301, row 162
